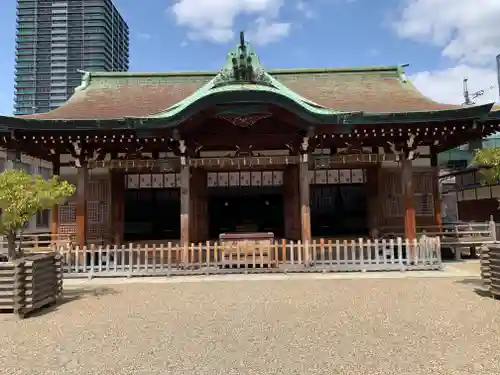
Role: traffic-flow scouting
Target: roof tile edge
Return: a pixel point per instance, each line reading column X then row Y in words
column 194, row 73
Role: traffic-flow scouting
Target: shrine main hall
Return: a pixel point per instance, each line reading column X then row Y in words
column 300, row 153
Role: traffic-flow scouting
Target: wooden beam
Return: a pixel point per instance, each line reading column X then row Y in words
column 116, row 224
column 81, row 205
column 185, row 203
column 372, row 195
column 305, row 210
column 409, row 203
column 291, row 204
column 436, row 191
column 54, row 221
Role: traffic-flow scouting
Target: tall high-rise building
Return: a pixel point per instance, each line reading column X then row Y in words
column 57, row 38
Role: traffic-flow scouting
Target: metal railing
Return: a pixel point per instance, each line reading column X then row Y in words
column 37, row 242
column 459, row 237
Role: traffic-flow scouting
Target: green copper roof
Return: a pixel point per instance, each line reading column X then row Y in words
column 243, row 80
column 347, row 96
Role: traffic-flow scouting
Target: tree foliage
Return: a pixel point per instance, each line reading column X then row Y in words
column 22, row 195
column 490, row 158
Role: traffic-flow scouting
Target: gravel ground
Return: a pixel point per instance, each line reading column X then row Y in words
column 398, row 326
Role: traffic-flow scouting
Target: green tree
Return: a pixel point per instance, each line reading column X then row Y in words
column 22, row 195
column 490, row 159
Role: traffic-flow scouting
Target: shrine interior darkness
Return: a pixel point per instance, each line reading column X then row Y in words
column 336, row 211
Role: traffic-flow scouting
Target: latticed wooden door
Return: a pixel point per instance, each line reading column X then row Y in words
column 98, row 211
column 98, row 203
column 392, row 195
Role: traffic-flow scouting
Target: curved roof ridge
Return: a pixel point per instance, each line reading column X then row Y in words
column 243, row 71
column 408, row 85
column 318, row 91
column 195, row 73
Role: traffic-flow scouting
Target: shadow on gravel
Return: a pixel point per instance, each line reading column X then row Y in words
column 479, row 288
column 74, row 294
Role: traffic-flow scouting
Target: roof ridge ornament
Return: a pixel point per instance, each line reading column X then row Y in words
column 242, row 66
column 85, row 80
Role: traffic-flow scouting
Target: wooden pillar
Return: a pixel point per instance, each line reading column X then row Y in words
column 436, row 190
column 54, row 213
column 185, row 204
column 198, row 222
column 305, row 210
column 373, row 201
column 203, row 197
column 291, row 206
column 193, row 206
column 81, row 204
column 408, row 199
column 195, row 187
column 185, row 176
column 117, row 216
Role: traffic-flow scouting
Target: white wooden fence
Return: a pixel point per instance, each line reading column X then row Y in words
column 250, row 257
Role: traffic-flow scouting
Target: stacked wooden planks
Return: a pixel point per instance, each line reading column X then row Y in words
column 30, row 283
column 494, row 263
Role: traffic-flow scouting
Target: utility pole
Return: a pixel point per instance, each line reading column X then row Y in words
column 468, row 97
column 469, row 100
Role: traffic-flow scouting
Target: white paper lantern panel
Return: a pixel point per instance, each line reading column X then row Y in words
column 234, row 179
column 245, row 178
column 358, row 176
column 157, row 181
column 145, row 181
column 345, row 176
column 320, row 177
column 169, row 180
column 333, row 176
column 256, row 178
column 223, row 179
column 267, row 178
column 133, row 181
column 278, row 178
column 211, row 179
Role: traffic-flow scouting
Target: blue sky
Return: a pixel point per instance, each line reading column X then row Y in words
column 442, row 40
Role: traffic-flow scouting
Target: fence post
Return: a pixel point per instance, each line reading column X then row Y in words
column 130, row 260
column 493, row 229
column 92, row 259
column 438, row 252
column 307, row 258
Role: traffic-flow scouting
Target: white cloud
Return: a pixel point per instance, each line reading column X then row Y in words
column 468, row 34
column 214, row 20
column 266, row 32
column 466, row 30
column 446, row 86
column 305, row 8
